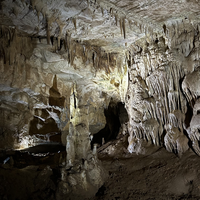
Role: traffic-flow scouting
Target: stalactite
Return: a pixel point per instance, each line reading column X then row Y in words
column 43, row 13
column 58, row 42
column 68, row 44
column 102, row 11
column 38, row 15
column 111, row 12
column 163, row 79
column 116, row 19
column 48, row 31
column 120, row 25
column 65, row 42
column 108, row 59
column 33, row 3
column 97, row 64
column 74, row 22
column 124, row 28
column 93, row 59
column 70, row 56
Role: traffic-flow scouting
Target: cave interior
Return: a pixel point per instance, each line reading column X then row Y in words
column 99, row 99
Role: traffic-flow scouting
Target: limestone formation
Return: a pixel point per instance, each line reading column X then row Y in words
column 78, row 73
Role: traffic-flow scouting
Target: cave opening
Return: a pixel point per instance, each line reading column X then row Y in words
column 116, row 114
column 188, row 118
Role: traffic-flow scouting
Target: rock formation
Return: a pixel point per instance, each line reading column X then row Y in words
column 77, row 73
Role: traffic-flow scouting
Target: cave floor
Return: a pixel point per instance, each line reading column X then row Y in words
column 156, row 175
column 31, row 173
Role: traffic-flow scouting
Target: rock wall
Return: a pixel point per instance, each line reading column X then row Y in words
column 43, row 89
column 58, row 94
column 163, row 88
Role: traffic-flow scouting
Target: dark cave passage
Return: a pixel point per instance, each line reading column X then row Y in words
column 116, row 115
column 188, row 114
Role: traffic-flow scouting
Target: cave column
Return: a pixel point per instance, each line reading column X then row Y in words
column 78, row 141
column 70, row 146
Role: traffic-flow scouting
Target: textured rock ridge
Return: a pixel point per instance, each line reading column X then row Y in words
column 163, row 85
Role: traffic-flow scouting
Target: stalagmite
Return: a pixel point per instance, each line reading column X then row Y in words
column 70, row 147
column 190, row 85
column 94, row 149
column 175, row 140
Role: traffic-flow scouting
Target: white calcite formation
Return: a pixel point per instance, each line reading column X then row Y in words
column 64, row 65
column 164, row 85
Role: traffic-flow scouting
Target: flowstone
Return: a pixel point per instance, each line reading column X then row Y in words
column 161, row 86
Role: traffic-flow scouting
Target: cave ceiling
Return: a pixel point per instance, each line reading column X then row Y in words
column 112, row 24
